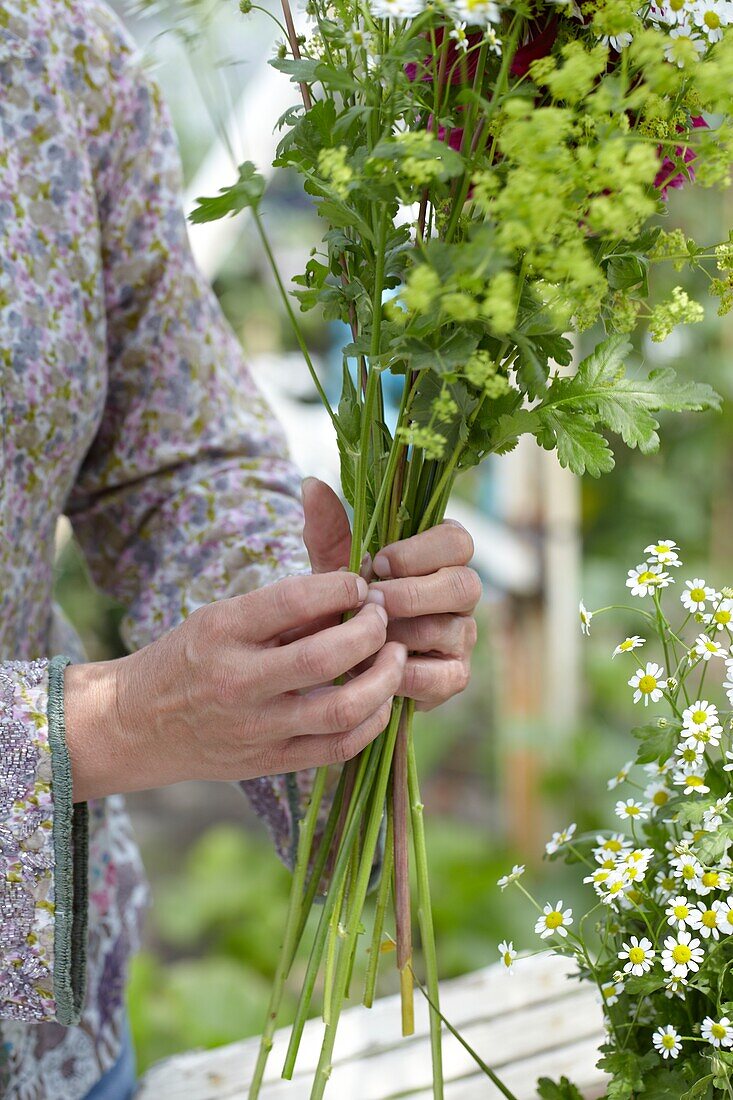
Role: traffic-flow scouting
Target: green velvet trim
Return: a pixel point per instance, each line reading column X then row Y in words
column 71, row 854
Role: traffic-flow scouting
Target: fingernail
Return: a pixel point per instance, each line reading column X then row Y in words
column 376, row 596
column 454, row 523
column 363, row 589
column 381, row 566
column 381, row 612
column 366, row 566
column 303, row 484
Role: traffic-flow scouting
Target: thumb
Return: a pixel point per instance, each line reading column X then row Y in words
column 327, row 531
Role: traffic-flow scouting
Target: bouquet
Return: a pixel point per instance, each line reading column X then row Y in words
column 658, row 938
column 490, row 178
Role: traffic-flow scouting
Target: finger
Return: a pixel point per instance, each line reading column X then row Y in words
column 327, row 532
column 339, row 709
column 320, row 749
column 447, row 544
column 456, row 589
column 448, row 635
column 433, row 680
column 322, row 657
column 289, row 603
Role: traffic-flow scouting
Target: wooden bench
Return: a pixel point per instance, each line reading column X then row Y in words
column 530, row 1024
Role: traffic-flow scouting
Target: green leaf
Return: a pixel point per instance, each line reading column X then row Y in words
column 443, row 357
column 628, row 273
column 645, row 983
column 665, row 1084
column 657, row 743
column 560, row 1090
column 348, row 418
column 579, row 447
column 247, row 191
column 532, row 366
column 699, row 1089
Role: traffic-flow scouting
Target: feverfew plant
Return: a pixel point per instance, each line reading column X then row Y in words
column 490, row 179
column 657, row 938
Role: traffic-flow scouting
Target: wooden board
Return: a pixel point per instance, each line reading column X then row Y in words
column 533, row 1023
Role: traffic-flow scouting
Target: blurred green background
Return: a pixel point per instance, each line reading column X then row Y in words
column 214, row 930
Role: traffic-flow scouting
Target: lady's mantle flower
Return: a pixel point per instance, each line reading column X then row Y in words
column 667, row 1041
column 634, row 642
column 696, row 595
column 620, row 776
column 554, row 921
column 708, row 922
column 678, row 912
column 649, row 683
column 516, row 873
column 705, row 648
column 558, row 839
column 637, row 956
column 631, row 810
column 682, row 954
column 585, row 618
column 719, row 1033
column 507, row 954
column 646, row 579
column 663, row 552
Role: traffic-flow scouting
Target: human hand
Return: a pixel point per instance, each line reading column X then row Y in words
column 219, row 697
column 426, row 586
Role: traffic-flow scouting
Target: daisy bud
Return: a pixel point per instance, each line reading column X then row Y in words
column 662, row 723
column 671, row 684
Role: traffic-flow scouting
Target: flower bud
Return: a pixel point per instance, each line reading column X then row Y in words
column 245, row 6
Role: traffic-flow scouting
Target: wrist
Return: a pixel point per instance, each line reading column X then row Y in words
column 102, row 748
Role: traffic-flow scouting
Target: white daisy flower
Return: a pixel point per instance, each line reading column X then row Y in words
column 628, row 644
column 708, row 921
column 507, row 954
column 649, row 683
column 711, row 17
column 692, row 781
column 620, row 776
column 696, row 594
column 657, row 770
column 703, row 736
column 701, row 713
column 687, row 867
column 721, row 617
column 726, row 916
column 646, row 579
column 554, row 921
column 477, row 13
column 611, row 991
column 684, row 30
column 682, row 954
column 728, row 684
column 617, row 42
column 667, row 1041
column 712, row 819
column 665, row 886
column 687, row 755
column 459, row 36
column 674, row 987
column 707, row 881
column 612, row 845
column 670, row 12
column 558, row 839
column 657, row 795
column 663, row 553
column 637, row 956
column 585, row 618
column 678, row 912
column 516, row 873
column 396, row 9
column 705, row 648
column 719, row 1033
column 630, row 810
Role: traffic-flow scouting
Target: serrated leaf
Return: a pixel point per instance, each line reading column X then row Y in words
column 247, row 191
column 580, row 447
column 557, row 1090
column 699, row 1089
column 656, row 743
column 443, row 357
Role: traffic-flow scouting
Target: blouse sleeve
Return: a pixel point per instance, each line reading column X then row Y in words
column 43, row 851
column 187, row 494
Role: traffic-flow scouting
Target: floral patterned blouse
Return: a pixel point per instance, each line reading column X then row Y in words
column 124, row 404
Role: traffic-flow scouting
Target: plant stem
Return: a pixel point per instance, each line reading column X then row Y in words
column 380, row 910
column 305, row 841
column 403, row 921
column 424, row 911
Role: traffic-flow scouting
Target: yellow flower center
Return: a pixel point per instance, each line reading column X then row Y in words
column 689, row 756
column 722, row 617
column 676, row 5
column 637, row 955
column 632, row 811
column 709, row 918
column 718, row 1031
column 688, row 871
column 647, row 684
column 699, row 717
column 609, row 990
column 695, row 781
column 698, row 594
column 613, row 845
column 681, row 912
column 711, row 19
column 710, row 878
column 681, row 953
column 668, row 1041
column 553, row 919
column 647, row 577
column 507, row 959
column 660, row 798
column 712, row 647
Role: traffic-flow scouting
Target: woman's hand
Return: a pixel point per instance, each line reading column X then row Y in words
column 428, row 591
column 219, row 697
